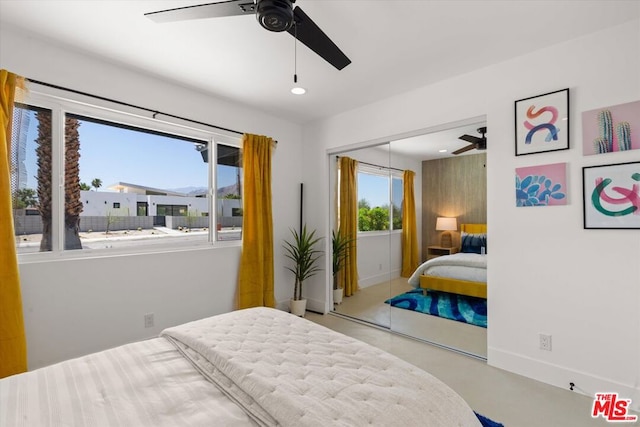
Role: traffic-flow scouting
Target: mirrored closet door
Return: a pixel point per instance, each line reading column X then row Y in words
column 447, row 189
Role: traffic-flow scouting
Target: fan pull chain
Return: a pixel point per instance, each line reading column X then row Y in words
column 295, row 52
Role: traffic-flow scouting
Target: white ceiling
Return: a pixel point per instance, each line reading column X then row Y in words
column 394, row 45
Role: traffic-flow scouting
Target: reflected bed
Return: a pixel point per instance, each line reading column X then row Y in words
column 463, row 273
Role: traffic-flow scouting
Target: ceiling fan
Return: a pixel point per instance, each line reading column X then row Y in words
column 273, row 15
column 476, row 143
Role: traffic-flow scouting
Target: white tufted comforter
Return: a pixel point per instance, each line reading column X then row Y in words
column 461, row 266
column 287, row 371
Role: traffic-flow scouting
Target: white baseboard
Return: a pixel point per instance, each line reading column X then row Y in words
column 378, row 278
column 312, row 305
column 560, row 376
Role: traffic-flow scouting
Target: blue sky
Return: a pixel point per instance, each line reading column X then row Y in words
column 121, row 155
column 375, row 189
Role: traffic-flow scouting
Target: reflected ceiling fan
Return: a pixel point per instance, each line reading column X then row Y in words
column 273, row 15
column 478, row 143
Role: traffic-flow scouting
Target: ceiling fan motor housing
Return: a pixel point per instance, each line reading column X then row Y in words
column 275, row 15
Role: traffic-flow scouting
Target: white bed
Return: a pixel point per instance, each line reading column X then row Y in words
column 463, row 273
column 461, row 266
column 250, row 367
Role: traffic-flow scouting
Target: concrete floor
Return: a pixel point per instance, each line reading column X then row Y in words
column 507, row 398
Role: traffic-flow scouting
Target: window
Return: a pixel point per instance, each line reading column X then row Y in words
column 379, row 199
column 31, row 185
column 127, row 180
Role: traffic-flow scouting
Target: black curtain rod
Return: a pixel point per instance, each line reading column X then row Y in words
column 155, row 112
column 375, row 166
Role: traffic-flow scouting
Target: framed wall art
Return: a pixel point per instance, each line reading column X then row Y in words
column 542, row 123
column 611, row 196
column 542, row 185
column 611, row 129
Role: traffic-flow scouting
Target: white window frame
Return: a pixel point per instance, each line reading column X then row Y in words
column 61, row 103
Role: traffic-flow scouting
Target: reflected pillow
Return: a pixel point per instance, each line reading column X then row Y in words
column 473, row 243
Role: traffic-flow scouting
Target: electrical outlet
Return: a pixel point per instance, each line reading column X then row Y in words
column 148, row 320
column 545, row 342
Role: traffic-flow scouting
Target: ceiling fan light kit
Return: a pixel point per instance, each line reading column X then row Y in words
column 275, row 15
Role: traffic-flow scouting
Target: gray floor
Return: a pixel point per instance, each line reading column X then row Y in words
column 508, row 398
column 368, row 305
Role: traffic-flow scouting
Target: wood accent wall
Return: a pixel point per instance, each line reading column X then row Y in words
column 453, row 187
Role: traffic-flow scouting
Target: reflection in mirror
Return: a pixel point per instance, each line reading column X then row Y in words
column 449, row 311
column 374, row 217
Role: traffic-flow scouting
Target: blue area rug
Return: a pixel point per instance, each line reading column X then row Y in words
column 486, row 422
column 461, row 308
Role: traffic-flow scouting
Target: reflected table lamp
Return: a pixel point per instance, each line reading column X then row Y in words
column 447, row 225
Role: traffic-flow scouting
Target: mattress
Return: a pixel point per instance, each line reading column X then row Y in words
column 461, row 266
column 148, row 383
column 251, row 367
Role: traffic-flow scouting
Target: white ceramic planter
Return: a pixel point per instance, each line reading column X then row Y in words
column 298, row 307
column 337, row 296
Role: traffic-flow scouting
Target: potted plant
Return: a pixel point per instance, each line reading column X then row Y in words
column 340, row 251
column 304, row 255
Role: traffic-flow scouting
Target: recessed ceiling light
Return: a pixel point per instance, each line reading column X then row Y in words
column 442, row 151
column 298, row 91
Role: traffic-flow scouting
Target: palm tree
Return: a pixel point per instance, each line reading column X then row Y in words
column 43, row 153
column 96, row 183
column 73, row 204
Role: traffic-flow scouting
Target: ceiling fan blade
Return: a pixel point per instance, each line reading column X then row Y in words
column 201, row 11
column 315, row 39
column 470, row 138
column 464, row 149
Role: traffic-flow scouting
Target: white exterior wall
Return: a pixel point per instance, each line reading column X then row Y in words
column 99, row 203
column 546, row 274
column 77, row 306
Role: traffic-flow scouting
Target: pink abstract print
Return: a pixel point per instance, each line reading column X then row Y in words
column 550, row 125
column 612, row 196
column 542, row 123
column 628, row 200
column 543, row 185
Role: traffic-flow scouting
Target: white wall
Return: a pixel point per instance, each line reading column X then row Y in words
column 73, row 307
column 546, row 274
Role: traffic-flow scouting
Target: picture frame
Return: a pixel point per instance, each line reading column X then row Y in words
column 611, row 196
column 542, row 123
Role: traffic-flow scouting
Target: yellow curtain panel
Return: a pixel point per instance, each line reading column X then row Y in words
column 409, row 230
column 255, row 279
column 348, row 218
column 13, row 343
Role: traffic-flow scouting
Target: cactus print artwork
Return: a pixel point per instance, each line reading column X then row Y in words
column 611, row 129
